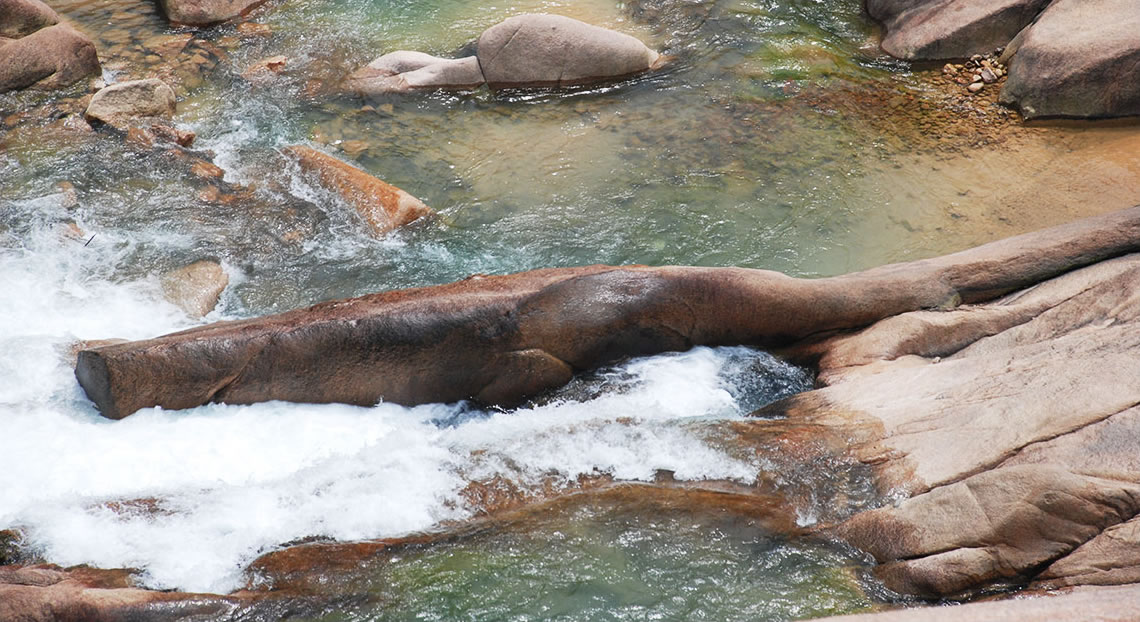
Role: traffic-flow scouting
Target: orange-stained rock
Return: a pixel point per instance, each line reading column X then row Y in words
column 383, row 206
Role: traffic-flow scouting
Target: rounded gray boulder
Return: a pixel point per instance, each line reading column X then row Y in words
column 552, row 50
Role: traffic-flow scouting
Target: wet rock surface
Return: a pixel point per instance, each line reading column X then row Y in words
column 383, row 206
column 195, row 288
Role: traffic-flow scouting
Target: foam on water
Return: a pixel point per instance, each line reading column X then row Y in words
column 190, row 497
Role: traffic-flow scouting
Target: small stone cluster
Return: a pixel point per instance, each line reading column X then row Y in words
column 977, row 72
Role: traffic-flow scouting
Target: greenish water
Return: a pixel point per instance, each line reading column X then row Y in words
column 598, row 562
column 713, row 161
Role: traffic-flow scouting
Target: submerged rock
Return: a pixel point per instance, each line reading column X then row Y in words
column 49, row 58
column 522, row 51
column 1080, row 59
column 941, row 29
column 403, row 71
column 195, row 288
column 205, row 12
column 383, row 206
column 118, row 105
column 552, row 50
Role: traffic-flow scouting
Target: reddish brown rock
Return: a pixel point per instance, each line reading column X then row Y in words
column 499, row 340
column 20, row 18
column 49, row 58
column 383, row 206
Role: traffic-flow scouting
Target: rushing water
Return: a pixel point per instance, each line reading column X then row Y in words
column 741, row 152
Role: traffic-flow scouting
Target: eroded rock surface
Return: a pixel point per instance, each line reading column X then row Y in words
column 20, row 18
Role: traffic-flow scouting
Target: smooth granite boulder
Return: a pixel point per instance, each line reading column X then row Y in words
column 120, row 104
column 205, row 12
column 552, row 50
column 1080, row 59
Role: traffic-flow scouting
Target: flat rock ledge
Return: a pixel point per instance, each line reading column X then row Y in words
column 532, row 50
column 1067, row 58
column 38, row 51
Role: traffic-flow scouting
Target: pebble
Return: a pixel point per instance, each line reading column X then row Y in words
column 975, row 87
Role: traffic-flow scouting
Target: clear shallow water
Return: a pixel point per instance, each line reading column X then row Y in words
column 600, row 562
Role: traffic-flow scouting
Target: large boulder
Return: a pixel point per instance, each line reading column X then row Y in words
column 552, row 50
column 205, row 12
column 118, row 105
column 49, row 58
column 1081, row 59
column 942, row 29
column 20, row 18
column 383, row 206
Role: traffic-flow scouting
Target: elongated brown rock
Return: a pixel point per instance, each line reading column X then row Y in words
column 383, row 206
column 502, row 339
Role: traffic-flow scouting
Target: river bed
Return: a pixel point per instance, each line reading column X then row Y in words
column 779, row 137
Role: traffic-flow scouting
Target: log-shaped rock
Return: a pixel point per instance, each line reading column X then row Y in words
column 502, row 339
column 383, row 206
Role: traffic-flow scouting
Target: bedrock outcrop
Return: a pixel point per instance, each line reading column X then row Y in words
column 1067, row 58
column 522, row 51
column 38, row 51
column 1010, row 427
column 502, row 339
